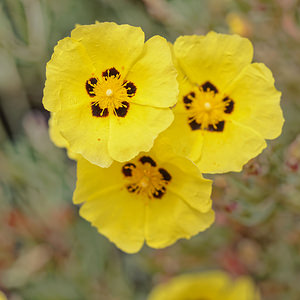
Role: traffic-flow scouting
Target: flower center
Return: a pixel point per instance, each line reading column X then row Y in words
column 207, row 108
column 110, row 94
column 145, row 178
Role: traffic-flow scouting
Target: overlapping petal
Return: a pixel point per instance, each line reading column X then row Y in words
column 257, row 101
column 229, row 150
column 66, row 73
column 85, row 135
column 154, row 75
column 215, row 57
column 111, row 45
column 128, row 136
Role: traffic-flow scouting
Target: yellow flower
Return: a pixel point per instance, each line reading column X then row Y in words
column 155, row 198
column 110, row 91
column 214, row 285
column 227, row 106
column 2, row 296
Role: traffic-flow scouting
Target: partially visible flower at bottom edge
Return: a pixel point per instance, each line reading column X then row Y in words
column 2, row 296
column 153, row 198
column 209, row 285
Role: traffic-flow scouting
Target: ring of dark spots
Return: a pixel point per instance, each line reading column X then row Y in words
column 148, row 159
column 97, row 111
column 219, row 127
column 159, row 193
column 131, row 188
column 122, row 111
column 130, row 87
column 165, row 174
column 127, row 169
column 209, row 86
column 230, row 105
column 90, row 85
column 111, row 72
column 194, row 125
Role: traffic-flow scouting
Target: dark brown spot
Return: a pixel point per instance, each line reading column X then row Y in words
column 127, row 169
column 111, row 72
column 97, row 111
column 130, row 87
column 90, row 85
column 131, row 188
column 219, row 126
column 194, row 125
column 229, row 106
column 209, row 86
column 165, row 174
column 122, row 111
column 159, row 193
column 187, row 100
column 148, row 159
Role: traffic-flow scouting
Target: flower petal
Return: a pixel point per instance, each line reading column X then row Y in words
column 170, row 218
column 230, row 149
column 243, row 289
column 137, row 130
column 155, row 75
column 188, row 183
column 86, row 135
column 206, row 285
column 66, row 73
column 182, row 140
column 110, row 45
column 57, row 138
column 110, row 208
column 257, row 101
column 217, row 58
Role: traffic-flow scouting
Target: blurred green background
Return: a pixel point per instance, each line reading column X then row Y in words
column 47, row 252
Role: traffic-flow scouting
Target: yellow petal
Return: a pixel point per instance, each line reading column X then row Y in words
column 205, row 285
column 119, row 217
column 215, row 285
column 257, row 101
column 217, row 58
column 155, row 75
column 86, row 135
column 66, row 74
column 2, row 296
column 109, row 206
column 188, row 184
column 170, row 218
column 182, row 140
column 58, row 139
column 230, row 149
column 55, row 134
column 137, row 130
column 110, row 45
column 243, row 289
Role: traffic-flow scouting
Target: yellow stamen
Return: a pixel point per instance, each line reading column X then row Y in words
column 110, row 93
column 207, row 108
column 146, row 180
